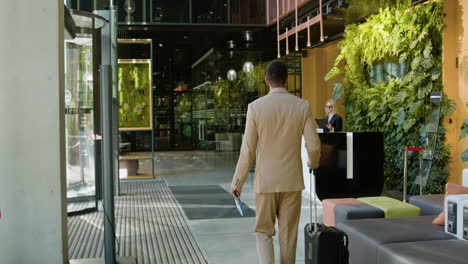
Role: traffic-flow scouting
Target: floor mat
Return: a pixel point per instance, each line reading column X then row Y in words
column 149, row 226
column 208, row 202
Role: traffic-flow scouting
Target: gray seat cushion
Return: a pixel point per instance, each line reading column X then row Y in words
column 451, row 251
column 431, row 204
column 366, row 235
column 356, row 211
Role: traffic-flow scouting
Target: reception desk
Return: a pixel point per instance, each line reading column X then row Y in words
column 351, row 165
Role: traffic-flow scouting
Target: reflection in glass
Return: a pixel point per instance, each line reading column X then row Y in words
column 162, row 108
column 183, row 129
column 223, row 88
column 79, row 117
column 168, row 11
column 210, row 11
column 192, row 11
column 293, row 62
column 129, row 9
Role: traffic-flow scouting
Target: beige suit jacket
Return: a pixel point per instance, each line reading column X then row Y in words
column 273, row 132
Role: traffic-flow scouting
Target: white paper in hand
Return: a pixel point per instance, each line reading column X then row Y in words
column 238, row 203
column 239, row 207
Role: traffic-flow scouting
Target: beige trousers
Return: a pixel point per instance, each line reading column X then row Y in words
column 286, row 206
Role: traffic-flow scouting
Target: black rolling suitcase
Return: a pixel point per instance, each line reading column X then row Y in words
column 323, row 244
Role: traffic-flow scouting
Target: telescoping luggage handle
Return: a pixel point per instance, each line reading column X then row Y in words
column 312, row 180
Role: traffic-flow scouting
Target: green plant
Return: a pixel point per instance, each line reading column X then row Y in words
column 242, row 90
column 184, row 103
column 134, row 96
column 463, row 132
column 399, row 108
column 221, row 89
column 358, row 10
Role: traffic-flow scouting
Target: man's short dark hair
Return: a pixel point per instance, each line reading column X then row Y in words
column 277, row 73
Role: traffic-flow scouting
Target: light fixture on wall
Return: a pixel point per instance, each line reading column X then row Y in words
column 248, row 38
column 231, row 75
column 248, row 67
column 129, row 9
column 231, row 46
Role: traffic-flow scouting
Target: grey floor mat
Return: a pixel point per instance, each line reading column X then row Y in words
column 208, row 202
column 149, row 226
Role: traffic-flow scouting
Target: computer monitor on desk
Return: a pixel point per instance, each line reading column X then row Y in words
column 321, row 123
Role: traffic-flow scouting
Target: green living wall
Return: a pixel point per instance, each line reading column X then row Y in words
column 134, row 96
column 408, row 39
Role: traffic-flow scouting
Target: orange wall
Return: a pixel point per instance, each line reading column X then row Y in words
column 455, row 79
column 315, row 66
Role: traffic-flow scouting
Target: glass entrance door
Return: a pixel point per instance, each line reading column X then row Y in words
column 79, row 124
column 81, row 114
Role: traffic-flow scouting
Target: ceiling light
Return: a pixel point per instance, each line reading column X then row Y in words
column 248, row 67
column 231, row 75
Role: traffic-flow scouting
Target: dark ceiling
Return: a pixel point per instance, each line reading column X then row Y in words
column 176, row 48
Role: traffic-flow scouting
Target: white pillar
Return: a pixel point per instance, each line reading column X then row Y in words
column 33, row 224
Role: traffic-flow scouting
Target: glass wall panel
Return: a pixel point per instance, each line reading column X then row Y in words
column 82, row 113
column 134, row 11
column 79, row 117
column 163, row 110
column 226, row 81
column 88, row 5
column 191, row 11
column 167, row 11
column 210, row 11
column 183, row 127
column 204, row 116
column 293, row 61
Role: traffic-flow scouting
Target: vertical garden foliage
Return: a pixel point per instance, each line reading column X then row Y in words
column 400, row 107
column 134, row 96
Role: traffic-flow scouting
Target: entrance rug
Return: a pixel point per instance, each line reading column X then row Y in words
column 149, row 225
column 208, row 202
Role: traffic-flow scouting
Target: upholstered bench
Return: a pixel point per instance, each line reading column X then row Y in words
column 392, row 208
column 367, row 235
column 451, row 251
column 329, row 208
column 356, row 211
column 431, row 204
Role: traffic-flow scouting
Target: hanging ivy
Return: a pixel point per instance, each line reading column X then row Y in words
column 397, row 105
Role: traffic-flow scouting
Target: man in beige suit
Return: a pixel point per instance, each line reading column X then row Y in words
column 274, row 128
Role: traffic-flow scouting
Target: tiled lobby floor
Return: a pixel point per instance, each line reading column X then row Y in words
column 228, row 240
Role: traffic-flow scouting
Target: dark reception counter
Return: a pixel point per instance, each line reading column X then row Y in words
column 351, row 165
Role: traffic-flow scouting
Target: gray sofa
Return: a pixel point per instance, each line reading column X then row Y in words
column 404, row 240
column 431, row 204
column 452, row 251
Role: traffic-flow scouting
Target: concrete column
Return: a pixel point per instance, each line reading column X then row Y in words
column 33, row 224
